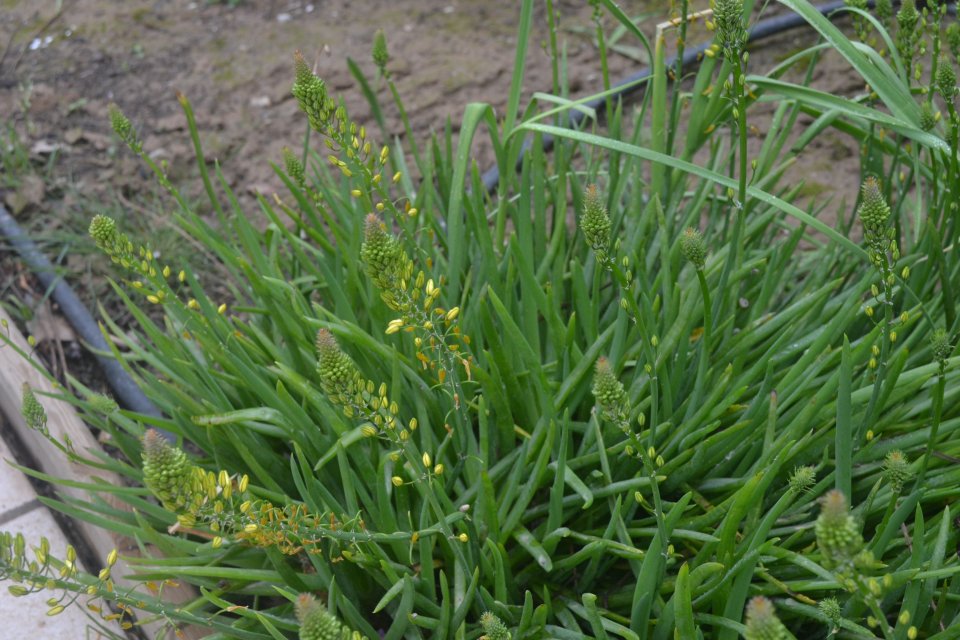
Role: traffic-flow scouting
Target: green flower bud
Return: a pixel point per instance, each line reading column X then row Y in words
column 731, row 33
column 896, row 470
column 908, row 16
column 103, row 230
column 32, row 411
column 838, row 535
column 493, row 627
column 693, row 248
column 802, row 479
column 168, row 473
column 311, row 94
column 874, row 210
column 316, row 623
column 762, row 622
column 608, row 391
column 100, row 403
column 385, row 261
column 123, row 128
column 594, row 221
column 940, row 345
column 337, row 371
column 293, row 166
column 379, row 53
column 830, row 608
column 946, row 80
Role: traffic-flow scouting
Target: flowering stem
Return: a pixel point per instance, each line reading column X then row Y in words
column 406, row 121
column 886, row 325
column 705, row 342
column 734, row 257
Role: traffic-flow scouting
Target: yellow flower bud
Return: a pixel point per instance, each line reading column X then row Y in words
column 438, row 470
column 222, row 309
column 397, row 176
column 193, row 304
column 250, row 528
column 397, row 481
column 368, row 431
column 166, row 272
column 356, row 193
column 394, row 326
column 452, row 314
column 111, row 558
column 463, row 537
column 182, row 276
column 217, row 542
column 244, row 481
column 426, row 459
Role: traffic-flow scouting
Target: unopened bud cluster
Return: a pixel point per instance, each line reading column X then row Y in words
column 316, row 623
column 493, row 627
column 379, row 51
column 896, row 470
column 124, row 129
column 729, row 25
column 386, row 263
column 874, row 214
column 762, row 622
column 595, row 222
column 610, row 395
column 693, row 248
column 32, row 411
column 838, row 535
column 945, row 81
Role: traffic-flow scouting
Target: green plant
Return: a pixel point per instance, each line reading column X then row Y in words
column 454, row 414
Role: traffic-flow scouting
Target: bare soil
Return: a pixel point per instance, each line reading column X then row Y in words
column 61, row 70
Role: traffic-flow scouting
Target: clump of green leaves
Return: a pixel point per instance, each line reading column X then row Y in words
column 455, row 413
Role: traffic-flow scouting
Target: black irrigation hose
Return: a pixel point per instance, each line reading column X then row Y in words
column 126, row 390
column 763, row 29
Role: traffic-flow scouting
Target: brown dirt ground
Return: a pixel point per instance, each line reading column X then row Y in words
column 235, row 66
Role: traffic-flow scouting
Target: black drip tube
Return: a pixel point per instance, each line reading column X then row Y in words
column 763, row 29
column 130, row 396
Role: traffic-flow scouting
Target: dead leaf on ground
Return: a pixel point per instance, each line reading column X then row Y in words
column 47, row 325
column 27, row 195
